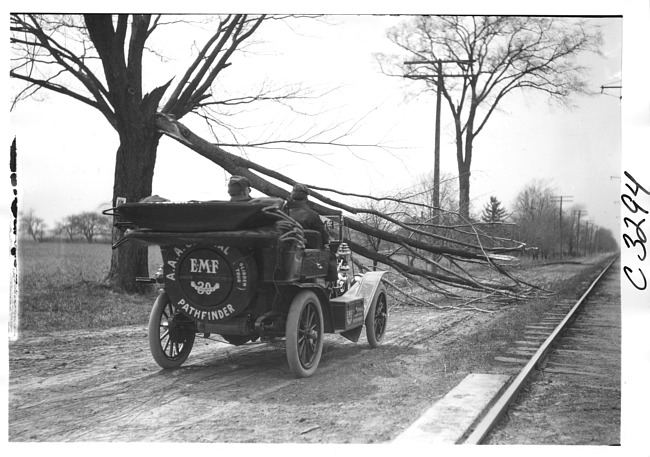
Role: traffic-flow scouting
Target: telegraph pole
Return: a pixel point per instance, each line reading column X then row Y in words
column 561, row 199
column 580, row 212
column 439, row 79
column 597, row 237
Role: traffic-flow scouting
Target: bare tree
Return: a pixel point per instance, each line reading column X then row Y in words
column 535, row 213
column 447, row 191
column 604, row 240
column 373, row 218
column 431, row 208
column 89, row 224
column 66, row 228
column 98, row 60
column 506, row 53
column 33, row 225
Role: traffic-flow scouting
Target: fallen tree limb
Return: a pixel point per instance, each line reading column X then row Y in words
column 415, row 241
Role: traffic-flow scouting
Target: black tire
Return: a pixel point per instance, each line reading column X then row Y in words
column 377, row 318
column 169, row 342
column 304, row 334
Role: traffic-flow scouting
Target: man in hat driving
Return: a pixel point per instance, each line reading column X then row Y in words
column 239, row 189
column 298, row 209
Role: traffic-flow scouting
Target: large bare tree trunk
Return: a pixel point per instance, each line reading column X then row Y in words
column 134, row 169
column 463, row 190
column 464, row 162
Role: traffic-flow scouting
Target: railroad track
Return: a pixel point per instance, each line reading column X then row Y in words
column 572, row 341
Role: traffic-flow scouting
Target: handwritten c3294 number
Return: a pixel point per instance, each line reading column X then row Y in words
column 639, row 242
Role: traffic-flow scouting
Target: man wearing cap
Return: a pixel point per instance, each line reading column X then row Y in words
column 298, row 209
column 239, row 189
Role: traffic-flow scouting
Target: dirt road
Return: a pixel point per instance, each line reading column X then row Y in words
column 104, row 386
column 99, row 386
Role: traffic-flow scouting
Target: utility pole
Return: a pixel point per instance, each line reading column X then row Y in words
column 580, row 212
column 439, row 79
column 561, row 199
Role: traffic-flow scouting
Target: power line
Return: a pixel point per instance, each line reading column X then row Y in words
column 603, row 87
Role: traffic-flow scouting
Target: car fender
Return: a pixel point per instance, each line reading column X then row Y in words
column 366, row 287
column 324, row 301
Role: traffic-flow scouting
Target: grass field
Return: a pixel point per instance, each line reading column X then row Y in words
column 60, row 287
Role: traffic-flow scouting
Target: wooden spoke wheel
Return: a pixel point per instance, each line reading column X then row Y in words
column 304, row 334
column 171, row 335
column 377, row 318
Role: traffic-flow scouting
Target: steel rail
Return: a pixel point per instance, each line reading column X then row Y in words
column 497, row 410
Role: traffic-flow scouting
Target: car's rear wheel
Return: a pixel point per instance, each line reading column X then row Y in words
column 304, row 334
column 171, row 336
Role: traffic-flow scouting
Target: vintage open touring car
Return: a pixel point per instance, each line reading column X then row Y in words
column 248, row 272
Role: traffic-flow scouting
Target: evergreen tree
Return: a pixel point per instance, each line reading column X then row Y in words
column 493, row 211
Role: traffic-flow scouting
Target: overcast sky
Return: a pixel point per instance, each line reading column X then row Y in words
column 67, row 150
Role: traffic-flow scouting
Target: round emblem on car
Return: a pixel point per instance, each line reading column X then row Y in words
column 205, row 276
column 208, row 283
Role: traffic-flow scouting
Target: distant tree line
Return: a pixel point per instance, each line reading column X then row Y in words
column 555, row 233
column 534, row 224
column 87, row 226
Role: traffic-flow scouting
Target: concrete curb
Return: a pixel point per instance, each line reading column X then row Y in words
column 450, row 418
